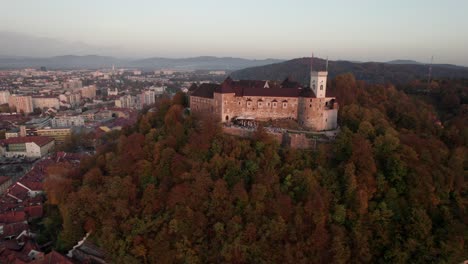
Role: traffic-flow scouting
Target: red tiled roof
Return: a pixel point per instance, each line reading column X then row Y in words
column 11, row 256
column 53, row 257
column 287, row 88
column 39, row 140
column 35, row 186
column 34, row 211
column 12, row 217
column 19, row 191
column 14, row 229
column 206, row 90
column 3, row 179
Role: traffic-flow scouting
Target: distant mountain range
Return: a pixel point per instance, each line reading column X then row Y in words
column 96, row 62
column 399, row 71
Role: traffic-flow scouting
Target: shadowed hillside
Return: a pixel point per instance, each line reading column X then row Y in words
column 374, row 72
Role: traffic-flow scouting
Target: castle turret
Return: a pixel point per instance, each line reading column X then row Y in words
column 318, row 81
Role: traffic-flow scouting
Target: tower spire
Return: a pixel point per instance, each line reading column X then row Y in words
column 326, row 65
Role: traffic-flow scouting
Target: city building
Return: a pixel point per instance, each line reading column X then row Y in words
column 39, row 122
column 16, row 132
column 67, row 121
column 267, row 100
column 58, row 134
column 73, row 84
column 147, row 98
column 31, row 147
column 158, row 90
column 89, row 114
column 45, row 102
column 112, row 92
column 72, row 99
column 89, row 92
column 4, row 96
column 21, row 103
column 126, row 101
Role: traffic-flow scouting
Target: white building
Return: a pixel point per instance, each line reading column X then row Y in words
column 31, row 147
column 158, row 89
column 112, row 92
column 67, row 121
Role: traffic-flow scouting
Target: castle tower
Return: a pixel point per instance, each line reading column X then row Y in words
column 318, row 81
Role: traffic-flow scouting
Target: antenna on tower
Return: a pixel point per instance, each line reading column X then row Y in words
column 326, row 65
column 430, row 73
column 311, row 62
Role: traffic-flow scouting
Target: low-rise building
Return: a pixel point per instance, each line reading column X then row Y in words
column 31, row 147
column 12, row 133
column 58, row 134
column 89, row 114
column 67, row 121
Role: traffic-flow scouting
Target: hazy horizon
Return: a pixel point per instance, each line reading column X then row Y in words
column 354, row 31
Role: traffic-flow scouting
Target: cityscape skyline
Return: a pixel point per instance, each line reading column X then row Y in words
column 363, row 31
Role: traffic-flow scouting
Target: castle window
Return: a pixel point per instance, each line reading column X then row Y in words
column 285, row 105
column 310, row 105
column 313, row 87
column 259, row 104
column 249, row 104
column 321, row 87
column 239, row 103
column 274, row 104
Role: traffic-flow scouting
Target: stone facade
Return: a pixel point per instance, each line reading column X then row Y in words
column 266, row 100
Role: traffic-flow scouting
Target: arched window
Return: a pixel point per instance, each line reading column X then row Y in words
column 227, row 118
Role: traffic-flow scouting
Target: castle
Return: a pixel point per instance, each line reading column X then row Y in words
column 269, row 100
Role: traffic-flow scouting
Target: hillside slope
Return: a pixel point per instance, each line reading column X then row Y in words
column 374, row 72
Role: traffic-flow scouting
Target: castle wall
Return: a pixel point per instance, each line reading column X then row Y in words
column 258, row 107
column 318, row 113
column 201, row 104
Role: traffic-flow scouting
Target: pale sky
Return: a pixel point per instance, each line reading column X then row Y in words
column 364, row 30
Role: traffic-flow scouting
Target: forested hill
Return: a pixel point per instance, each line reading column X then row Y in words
column 374, row 72
column 175, row 189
